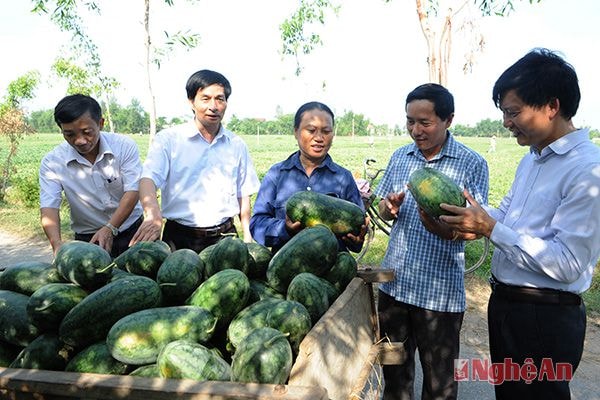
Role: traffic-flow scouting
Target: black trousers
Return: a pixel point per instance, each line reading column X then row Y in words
column 437, row 337
column 519, row 330
column 120, row 242
column 179, row 236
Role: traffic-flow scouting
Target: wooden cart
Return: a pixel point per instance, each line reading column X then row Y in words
column 340, row 358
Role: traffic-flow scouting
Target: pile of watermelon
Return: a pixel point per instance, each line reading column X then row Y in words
column 233, row 312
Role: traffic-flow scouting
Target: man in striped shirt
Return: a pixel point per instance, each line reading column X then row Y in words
column 423, row 306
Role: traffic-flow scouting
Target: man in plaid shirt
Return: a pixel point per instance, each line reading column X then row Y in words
column 423, row 306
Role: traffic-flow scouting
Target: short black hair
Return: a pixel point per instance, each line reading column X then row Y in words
column 442, row 99
column 205, row 78
column 312, row 105
column 538, row 78
column 74, row 106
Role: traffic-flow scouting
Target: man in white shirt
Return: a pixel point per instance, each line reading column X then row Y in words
column 98, row 172
column 204, row 173
column 546, row 231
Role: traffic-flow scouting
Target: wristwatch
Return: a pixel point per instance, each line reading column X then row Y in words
column 113, row 230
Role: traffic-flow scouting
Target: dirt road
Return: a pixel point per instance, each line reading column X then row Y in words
column 474, row 339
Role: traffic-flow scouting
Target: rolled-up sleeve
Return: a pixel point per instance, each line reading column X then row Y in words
column 156, row 165
column 50, row 186
column 131, row 166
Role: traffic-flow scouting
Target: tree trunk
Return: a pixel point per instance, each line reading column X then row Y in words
column 150, row 91
column 445, row 46
column 438, row 50
column 430, row 38
column 109, row 118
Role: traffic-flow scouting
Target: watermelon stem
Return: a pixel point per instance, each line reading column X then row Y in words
column 108, row 267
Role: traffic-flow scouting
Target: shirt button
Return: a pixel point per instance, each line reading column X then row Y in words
column 308, row 188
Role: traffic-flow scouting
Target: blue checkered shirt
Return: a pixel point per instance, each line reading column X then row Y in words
column 429, row 270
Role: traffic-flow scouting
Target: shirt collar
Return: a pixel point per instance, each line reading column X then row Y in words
column 563, row 144
column 221, row 135
column 449, row 149
column 293, row 161
column 104, row 149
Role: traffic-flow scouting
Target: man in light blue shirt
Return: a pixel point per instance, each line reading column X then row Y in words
column 546, row 230
column 204, row 172
column 423, row 306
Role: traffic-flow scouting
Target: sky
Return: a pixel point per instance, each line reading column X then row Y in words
column 374, row 53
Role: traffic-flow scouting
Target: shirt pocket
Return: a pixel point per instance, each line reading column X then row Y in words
column 114, row 187
column 545, row 201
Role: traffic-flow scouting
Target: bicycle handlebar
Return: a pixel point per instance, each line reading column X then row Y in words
column 370, row 176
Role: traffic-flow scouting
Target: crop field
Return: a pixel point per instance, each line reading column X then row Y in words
column 20, row 213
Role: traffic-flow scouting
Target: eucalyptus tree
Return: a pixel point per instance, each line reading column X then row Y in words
column 89, row 77
column 83, row 80
column 66, row 15
column 438, row 19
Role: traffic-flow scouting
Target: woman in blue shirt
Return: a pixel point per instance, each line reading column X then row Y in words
column 309, row 168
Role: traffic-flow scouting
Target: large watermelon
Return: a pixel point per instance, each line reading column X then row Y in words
column 431, row 187
column 265, row 356
column 312, row 250
column 84, row 264
column 312, row 208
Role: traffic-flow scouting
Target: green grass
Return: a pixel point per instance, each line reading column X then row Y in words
column 267, row 150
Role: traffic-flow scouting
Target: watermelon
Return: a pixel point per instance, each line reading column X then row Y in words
column 259, row 290
column 28, row 276
column 90, row 320
column 224, row 294
column 252, row 317
column 265, row 356
column 259, row 260
column 292, row 319
column 431, row 187
column 84, row 264
column 15, row 325
column 48, row 305
column 312, row 250
column 343, row 271
column 143, row 258
column 185, row 359
column 229, row 253
column 96, row 359
column 44, row 352
column 137, row 338
column 179, row 275
column 310, row 291
column 148, row 371
column 312, row 208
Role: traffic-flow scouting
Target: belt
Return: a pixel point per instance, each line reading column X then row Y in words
column 521, row 294
column 210, row 231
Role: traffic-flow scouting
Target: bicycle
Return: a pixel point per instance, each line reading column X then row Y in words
column 371, row 206
column 376, row 222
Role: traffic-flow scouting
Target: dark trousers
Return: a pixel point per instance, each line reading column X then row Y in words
column 120, row 242
column 179, row 236
column 436, row 335
column 520, row 330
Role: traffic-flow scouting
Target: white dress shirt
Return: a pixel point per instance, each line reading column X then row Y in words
column 548, row 230
column 93, row 191
column 200, row 182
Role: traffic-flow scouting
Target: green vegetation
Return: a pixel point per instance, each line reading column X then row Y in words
column 19, row 213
